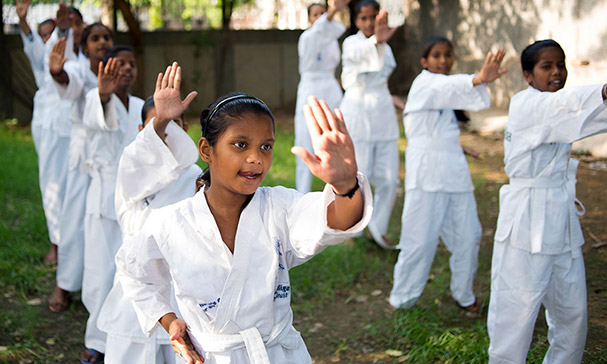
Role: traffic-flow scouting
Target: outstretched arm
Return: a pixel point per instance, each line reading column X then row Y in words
column 167, row 98
column 334, row 162
column 491, row 70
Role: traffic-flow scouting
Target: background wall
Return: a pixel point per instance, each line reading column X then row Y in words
column 264, row 62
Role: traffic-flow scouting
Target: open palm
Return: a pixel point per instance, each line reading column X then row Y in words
column 334, row 160
column 167, row 97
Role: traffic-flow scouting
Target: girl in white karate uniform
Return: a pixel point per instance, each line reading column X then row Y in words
column 111, row 118
column 537, row 256
column 439, row 197
column 73, row 77
column 368, row 110
column 319, row 55
column 228, row 249
column 162, row 159
column 50, row 126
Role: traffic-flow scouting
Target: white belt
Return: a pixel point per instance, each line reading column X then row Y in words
column 256, row 344
column 538, row 208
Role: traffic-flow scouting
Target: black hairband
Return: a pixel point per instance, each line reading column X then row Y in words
column 222, row 103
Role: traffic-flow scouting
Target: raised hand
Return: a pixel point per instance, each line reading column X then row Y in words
column 62, row 18
column 107, row 79
column 57, row 58
column 181, row 343
column 167, row 98
column 491, row 69
column 333, row 161
column 22, row 7
column 383, row 32
column 340, row 4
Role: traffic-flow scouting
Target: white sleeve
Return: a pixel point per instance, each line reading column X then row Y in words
column 145, row 278
column 33, row 47
column 154, row 165
column 326, row 31
column 431, row 91
column 73, row 89
column 98, row 116
column 307, row 222
column 557, row 117
column 361, row 56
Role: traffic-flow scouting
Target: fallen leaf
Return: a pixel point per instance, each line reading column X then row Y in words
column 34, row 302
column 376, row 293
column 50, row 341
column 395, row 353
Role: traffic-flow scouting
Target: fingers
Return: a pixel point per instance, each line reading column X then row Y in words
column 313, row 127
column 309, row 159
column 340, row 122
column 100, row 70
column 177, row 83
column 172, row 75
column 165, row 78
column 189, row 99
column 319, row 114
column 158, row 82
column 329, row 115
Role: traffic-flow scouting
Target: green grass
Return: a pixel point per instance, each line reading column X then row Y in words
column 324, row 289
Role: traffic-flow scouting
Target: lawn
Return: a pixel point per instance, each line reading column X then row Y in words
column 339, row 297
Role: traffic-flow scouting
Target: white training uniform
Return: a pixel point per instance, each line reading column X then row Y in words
column 110, row 128
column 70, row 257
column 537, row 257
column 439, row 194
column 151, row 174
column 371, row 120
column 319, row 55
column 236, row 306
column 50, row 131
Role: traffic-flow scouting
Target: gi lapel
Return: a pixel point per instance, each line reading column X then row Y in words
column 249, row 230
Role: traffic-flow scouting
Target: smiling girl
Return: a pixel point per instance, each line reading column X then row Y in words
column 228, row 249
column 537, row 255
column 439, row 194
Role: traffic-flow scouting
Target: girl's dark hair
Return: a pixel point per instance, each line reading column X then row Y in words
column 87, row 32
column 313, row 5
column 361, row 4
column 112, row 52
column 73, row 10
column 148, row 105
column 223, row 112
column 434, row 41
column 530, row 54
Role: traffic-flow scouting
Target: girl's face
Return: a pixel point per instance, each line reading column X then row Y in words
column 549, row 73
column 97, row 43
column 242, row 156
column 365, row 20
column 127, row 68
column 45, row 31
column 77, row 27
column 440, row 59
column 315, row 12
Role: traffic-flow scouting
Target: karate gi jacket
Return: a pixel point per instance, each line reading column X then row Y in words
column 367, row 104
column 236, row 306
column 434, row 157
column 319, row 55
column 151, row 174
column 109, row 129
column 537, row 208
column 82, row 80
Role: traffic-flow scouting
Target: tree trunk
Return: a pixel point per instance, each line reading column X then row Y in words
column 136, row 42
column 6, row 94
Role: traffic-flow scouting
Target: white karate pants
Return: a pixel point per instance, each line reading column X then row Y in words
column 70, row 252
column 379, row 162
column 520, row 283
column 102, row 238
column 124, row 350
column 52, row 152
column 426, row 217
